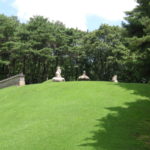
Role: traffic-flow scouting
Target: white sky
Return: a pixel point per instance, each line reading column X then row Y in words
column 73, row 13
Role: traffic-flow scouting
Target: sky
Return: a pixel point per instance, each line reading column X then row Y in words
column 81, row 14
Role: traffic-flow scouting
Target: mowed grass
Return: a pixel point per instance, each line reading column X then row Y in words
column 75, row 116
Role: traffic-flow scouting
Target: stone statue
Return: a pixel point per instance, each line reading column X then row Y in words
column 114, row 79
column 58, row 72
column 58, row 77
column 83, row 76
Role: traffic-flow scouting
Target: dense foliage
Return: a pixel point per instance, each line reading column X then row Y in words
column 138, row 33
column 38, row 46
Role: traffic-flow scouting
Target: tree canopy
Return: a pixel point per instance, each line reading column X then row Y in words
column 138, row 36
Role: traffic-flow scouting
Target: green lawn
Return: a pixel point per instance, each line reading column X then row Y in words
column 75, row 116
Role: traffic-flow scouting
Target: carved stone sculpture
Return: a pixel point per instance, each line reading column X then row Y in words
column 83, row 76
column 114, row 79
column 58, row 77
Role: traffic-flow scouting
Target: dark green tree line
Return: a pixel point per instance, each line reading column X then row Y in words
column 37, row 47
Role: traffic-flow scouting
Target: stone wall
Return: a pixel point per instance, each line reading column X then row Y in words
column 18, row 80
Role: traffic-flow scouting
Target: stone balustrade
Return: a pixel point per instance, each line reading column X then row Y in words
column 17, row 80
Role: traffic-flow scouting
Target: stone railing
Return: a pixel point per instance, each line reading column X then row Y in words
column 17, row 80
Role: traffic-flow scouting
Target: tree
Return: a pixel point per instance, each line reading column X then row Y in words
column 138, row 33
column 105, row 52
column 8, row 26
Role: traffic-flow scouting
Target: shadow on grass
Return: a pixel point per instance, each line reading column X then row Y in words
column 129, row 129
column 125, row 128
column 138, row 89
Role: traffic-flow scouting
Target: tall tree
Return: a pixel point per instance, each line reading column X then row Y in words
column 8, row 26
column 138, row 33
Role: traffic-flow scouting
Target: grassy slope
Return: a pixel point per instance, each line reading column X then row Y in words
column 75, row 116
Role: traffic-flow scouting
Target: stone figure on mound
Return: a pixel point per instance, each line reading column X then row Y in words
column 58, row 77
column 83, row 76
column 114, row 79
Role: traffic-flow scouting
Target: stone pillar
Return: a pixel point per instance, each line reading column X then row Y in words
column 21, row 79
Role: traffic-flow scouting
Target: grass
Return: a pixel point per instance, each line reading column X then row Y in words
column 75, row 116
